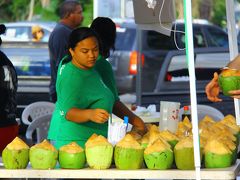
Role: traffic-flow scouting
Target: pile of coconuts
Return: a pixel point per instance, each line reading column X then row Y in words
column 155, row 150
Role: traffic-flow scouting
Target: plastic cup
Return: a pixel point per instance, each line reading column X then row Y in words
column 169, row 116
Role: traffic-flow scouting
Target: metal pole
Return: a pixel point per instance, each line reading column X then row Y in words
column 233, row 46
column 193, row 94
column 123, row 4
column 95, row 8
column 139, row 69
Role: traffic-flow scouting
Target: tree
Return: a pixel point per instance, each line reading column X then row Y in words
column 42, row 10
column 205, row 8
column 211, row 10
column 14, row 10
column 46, row 10
column 218, row 15
column 31, row 8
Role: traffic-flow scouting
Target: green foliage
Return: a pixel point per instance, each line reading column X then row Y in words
column 49, row 13
column 18, row 10
column 87, row 12
column 219, row 13
column 14, row 10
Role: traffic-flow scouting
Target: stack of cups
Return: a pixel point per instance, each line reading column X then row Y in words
column 169, row 116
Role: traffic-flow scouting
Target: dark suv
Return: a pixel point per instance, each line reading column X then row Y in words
column 155, row 47
column 173, row 80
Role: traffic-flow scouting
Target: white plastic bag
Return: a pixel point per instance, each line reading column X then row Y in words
column 117, row 130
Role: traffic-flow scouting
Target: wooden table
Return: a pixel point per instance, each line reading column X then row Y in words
column 225, row 173
column 148, row 118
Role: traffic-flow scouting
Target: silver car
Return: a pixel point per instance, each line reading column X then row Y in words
column 22, row 31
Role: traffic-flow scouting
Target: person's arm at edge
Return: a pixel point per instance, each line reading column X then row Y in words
column 212, row 89
column 120, row 110
column 235, row 64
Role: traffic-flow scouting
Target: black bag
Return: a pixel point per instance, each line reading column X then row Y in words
column 8, row 90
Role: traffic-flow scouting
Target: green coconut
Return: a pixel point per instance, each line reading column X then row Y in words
column 144, row 145
column 183, row 129
column 187, row 163
column 183, row 149
column 128, row 154
column 217, row 154
column 171, row 138
column 16, row 154
column 226, row 131
column 229, row 80
column 230, row 122
column 227, row 139
column 213, row 160
column 158, row 155
column 233, row 148
column 43, row 156
column 234, row 155
column 145, row 140
column 99, row 152
column 72, row 156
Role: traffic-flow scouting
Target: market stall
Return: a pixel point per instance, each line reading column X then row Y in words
column 143, row 173
column 191, row 69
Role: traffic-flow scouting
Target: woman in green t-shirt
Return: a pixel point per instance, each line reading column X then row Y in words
column 84, row 102
column 106, row 29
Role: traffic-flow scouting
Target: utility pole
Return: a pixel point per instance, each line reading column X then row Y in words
column 31, row 8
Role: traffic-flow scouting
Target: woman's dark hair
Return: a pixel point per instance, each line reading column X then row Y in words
column 80, row 34
column 2, row 31
column 106, row 29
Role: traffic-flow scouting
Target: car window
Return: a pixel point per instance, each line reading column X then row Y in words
column 125, row 38
column 205, row 65
column 29, row 61
column 21, row 33
column 198, row 38
column 216, row 37
column 46, row 35
column 157, row 40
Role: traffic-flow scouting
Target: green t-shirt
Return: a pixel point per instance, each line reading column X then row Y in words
column 104, row 68
column 82, row 89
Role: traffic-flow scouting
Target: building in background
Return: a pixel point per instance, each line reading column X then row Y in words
column 113, row 9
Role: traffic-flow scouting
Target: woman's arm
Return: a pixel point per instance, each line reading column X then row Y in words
column 85, row 115
column 120, row 110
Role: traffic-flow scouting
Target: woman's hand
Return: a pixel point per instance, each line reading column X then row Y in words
column 235, row 94
column 138, row 125
column 212, row 89
column 98, row 115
